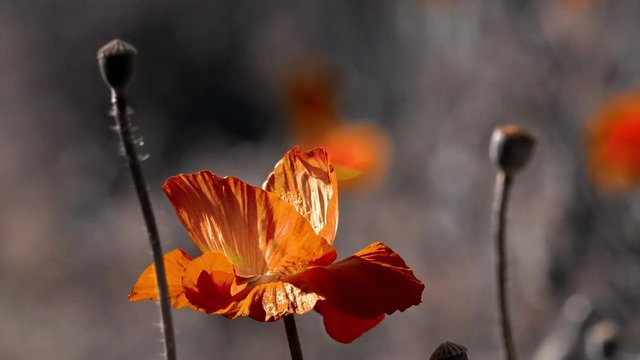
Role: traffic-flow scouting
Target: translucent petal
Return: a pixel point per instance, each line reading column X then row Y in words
column 308, row 182
column 145, row 288
column 254, row 229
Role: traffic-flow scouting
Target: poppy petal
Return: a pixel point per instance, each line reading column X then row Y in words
column 308, row 181
column 211, row 286
column 373, row 282
column 254, row 229
column 145, row 288
column 343, row 327
column 208, row 282
column 271, row 301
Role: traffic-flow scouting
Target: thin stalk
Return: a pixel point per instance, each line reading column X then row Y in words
column 500, row 201
column 120, row 105
column 292, row 337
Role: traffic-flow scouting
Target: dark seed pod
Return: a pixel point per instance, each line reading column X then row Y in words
column 116, row 60
column 602, row 340
column 511, row 148
column 449, row 351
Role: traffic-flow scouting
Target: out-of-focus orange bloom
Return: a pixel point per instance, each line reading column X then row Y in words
column 582, row 4
column 359, row 150
column 268, row 253
column 359, row 153
column 311, row 93
column 613, row 142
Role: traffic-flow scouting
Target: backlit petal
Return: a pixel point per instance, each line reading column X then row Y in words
column 145, row 288
column 373, row 282
column 255, row 230
column 271, row 301
column 308, row 181
column 211, row 286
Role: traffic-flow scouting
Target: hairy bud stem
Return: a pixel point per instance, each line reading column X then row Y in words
column 116, row 61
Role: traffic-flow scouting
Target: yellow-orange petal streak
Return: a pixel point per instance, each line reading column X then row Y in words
column 145, row 288
column 308, row 182
column 373, row 282
column 254, row 229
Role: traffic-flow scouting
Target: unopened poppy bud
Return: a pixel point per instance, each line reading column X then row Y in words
column 449, row 351
column 511, row 148
column 602, row 340
column 116, row 60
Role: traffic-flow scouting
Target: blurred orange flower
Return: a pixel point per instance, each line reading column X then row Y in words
column 268, row 253
column 359, row 150
column 582, row 4
column 613, row 142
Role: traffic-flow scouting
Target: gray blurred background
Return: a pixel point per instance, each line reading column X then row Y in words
column 437, row 76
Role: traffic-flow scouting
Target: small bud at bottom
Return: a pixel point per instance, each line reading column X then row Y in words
column 449, row 351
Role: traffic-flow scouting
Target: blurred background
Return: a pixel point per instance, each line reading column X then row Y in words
column 211, row 91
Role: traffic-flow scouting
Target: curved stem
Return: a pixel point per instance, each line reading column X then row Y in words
column 500, row 200
column 292, row 337
column 120, row 105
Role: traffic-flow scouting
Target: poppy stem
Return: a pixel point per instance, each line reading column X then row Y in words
column 292, row 337
column 120, row 106
column 510, row 150
column 116, row 61
column 500, row 200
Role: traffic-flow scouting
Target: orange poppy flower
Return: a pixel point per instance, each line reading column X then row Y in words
column 580, row 4
column 613, row 142
column 359, row 151
column 268, row 253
